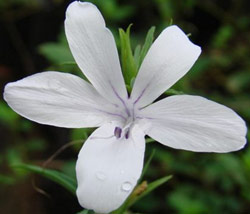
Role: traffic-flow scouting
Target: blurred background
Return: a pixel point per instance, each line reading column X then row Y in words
column 32, row 40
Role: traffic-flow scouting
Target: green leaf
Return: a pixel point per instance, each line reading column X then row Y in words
column 148, row 42
column 56, row 176
column 127, row 60
column 147, row 164
column 137, row 56
column 131, row 63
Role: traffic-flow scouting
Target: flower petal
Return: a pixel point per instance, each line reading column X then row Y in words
column 58, row 99
column 196, row 124
column 169, row 58
column 108, row 168
column 94, row 49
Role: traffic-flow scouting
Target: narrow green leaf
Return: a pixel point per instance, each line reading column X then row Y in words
column 147, row 164
column 148, row 42
column 129, row 88
column 127, row 59
column 137, row 54
column 132, row 82
column 56, row 176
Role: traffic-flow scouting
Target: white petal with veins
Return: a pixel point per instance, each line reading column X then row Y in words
column 108, row 168
column 168, row 59
column 94, row 49
column 59, row 99
column 195, row 123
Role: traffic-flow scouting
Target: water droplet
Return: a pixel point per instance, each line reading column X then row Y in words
column 100, row 176
column 122, row 172
column 126, row 186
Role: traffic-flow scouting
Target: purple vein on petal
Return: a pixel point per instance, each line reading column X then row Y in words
column 143, row 91
column 113, row 114
column 118, row 96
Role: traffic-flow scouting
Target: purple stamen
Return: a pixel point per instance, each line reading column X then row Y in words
column 127, row 134
column 118, row 132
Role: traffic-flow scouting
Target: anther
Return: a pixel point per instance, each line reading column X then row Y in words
column 118, row 132
column 127, row 134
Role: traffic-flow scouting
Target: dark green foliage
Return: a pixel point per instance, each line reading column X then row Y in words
column 60, row 178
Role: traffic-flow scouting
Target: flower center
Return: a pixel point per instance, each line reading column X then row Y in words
column 129, row 113
column 125, row 129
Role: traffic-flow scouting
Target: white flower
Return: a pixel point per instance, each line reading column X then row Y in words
column 111, row 160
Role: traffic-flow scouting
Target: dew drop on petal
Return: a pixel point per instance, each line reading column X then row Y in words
column 126, row 186
column 100, row 176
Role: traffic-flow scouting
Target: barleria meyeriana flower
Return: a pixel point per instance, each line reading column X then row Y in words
column 111, row 160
